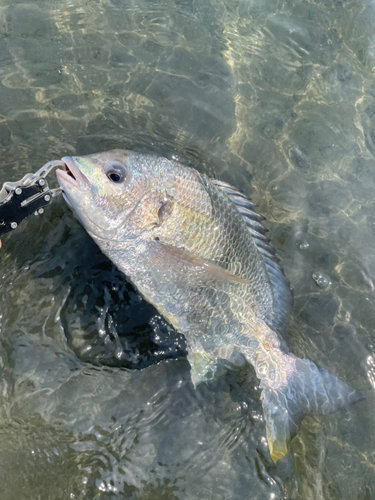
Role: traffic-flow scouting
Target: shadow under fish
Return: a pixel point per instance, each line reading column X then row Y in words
column 196, row 249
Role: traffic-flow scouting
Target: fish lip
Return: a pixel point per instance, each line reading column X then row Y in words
column 71, row 176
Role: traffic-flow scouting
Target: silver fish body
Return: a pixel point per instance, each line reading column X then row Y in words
column 195, row 248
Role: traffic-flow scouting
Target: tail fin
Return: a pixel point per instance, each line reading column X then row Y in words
column 310, row 390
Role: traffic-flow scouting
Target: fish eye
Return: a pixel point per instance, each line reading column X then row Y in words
column 116, row 171
column 114, row 176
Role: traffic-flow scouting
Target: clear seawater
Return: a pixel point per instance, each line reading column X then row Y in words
column 274, row 97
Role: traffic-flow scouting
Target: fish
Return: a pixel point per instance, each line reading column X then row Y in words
column 196, row 249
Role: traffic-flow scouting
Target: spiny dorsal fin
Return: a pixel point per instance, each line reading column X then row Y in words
column 282, row 295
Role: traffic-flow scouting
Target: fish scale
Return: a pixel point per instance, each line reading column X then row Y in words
column 195, row 248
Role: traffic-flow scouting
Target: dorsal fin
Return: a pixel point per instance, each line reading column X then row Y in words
column 282, row 295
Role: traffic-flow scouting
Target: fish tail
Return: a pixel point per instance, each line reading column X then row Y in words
column 309, row 390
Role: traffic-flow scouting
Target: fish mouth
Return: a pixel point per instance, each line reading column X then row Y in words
column 71, row 176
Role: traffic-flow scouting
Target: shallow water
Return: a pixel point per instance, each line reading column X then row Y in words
column 275, row 97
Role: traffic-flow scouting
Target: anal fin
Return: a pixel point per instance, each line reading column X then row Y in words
column 203, row 367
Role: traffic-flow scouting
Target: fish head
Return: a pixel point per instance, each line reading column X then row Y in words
column 104, row 190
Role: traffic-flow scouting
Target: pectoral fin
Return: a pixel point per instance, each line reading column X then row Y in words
column 193, row 264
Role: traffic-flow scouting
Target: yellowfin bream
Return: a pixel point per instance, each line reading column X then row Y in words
column 196, row 249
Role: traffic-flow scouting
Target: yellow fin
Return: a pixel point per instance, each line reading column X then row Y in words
column 278, row 449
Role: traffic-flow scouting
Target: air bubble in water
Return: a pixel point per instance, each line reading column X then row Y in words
column 321, row 279
column 304, row 246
